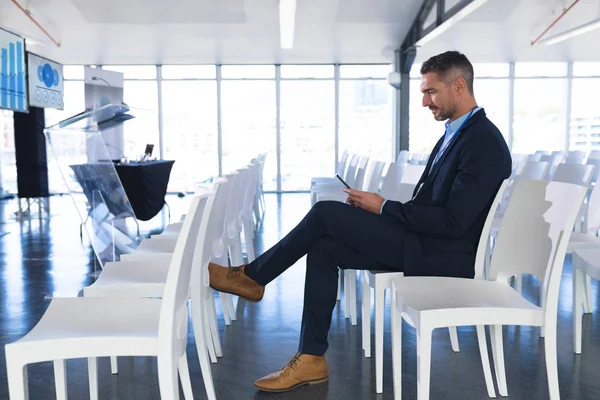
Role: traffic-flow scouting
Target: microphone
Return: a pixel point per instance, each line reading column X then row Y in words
column 97, row 78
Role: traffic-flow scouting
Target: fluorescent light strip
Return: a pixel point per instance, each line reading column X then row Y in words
column 287, row 23
column 450, row 22
column 571, row 33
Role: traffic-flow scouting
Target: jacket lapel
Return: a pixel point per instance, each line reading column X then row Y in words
column 425, row 175
column 430, row 178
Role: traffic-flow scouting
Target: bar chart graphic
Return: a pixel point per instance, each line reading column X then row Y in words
column 13, row 93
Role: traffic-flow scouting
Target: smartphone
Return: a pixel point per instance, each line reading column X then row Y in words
column 341, row 180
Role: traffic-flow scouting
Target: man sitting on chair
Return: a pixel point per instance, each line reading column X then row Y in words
column 436, row 233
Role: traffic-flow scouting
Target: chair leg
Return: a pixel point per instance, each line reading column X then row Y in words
column 353, row 318
column 18, row 387
column 424, row 364
column 578, row 302
column 397, row 351
column 453, row 338
column 589, row 307
column 184, row 377
column 347, row 289
column 213, row 326
column 114, row 365
column 167, row 377
column 339, row 291
column 485, row 361
column 92, row 377
column 201, row 328
column 231, row 307
column 379, row 310
column 60, row 379
column 224, row 308
column 498, row 354
column 552, row 363
column 366, row 316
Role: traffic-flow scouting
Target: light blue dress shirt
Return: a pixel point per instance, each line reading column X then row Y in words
column 451, row 131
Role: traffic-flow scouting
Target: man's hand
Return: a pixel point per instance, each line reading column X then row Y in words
column 367, row 201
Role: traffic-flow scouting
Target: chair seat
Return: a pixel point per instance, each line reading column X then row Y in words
column 130, row 279
column 92, row 327
column 158, row 244
column 589, row 262
column 458, row 302
column 381, row 277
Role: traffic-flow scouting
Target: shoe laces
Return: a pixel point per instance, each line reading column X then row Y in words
column 234, row 270
column 294, row 361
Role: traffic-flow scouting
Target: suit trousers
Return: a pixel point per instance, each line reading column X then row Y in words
column 332, row 235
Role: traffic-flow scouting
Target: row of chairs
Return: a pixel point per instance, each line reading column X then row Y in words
column 580, row 175
column 227, row 208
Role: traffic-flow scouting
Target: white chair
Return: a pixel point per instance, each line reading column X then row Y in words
column 334, row 184
column 379, row 281
column 585, row 265
column 533, row 239
column 594, row 155
column 100, row 327
column 412, row 173
column 575, row 157
column 340, row 169
column 553, row 159
column 259, row 201
column 403, row 157
column 596, row 163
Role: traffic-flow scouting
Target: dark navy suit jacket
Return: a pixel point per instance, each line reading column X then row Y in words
column 445, row 219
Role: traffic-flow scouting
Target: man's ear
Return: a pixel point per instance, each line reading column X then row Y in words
column 460, row 84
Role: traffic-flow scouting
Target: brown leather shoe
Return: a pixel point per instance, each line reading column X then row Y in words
column 302, row 370
column 233, row 280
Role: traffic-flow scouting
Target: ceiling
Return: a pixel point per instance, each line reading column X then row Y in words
column 502, row 30
column 209, row 31
column 327, row 31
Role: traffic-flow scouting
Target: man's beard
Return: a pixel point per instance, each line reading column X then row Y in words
column 444, row 115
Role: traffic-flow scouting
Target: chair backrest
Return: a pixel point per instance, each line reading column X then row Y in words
column 373, row 176
column 341, row 164
column 575, row 157
column 235, row 202
column 534, row 235
column 351, row 170
column 392, row 179
column 424, row 158
column 403, row 156
column 576, row 174
column 173, row 323
column 534, row 171
column 220, row 209
column 594, row 155
column 357, row 181
column 251, row 187
column 592, row 220
column 485, row 232
column 412, row 173
column 414, row 159
column 596, row 163
column 534, row 157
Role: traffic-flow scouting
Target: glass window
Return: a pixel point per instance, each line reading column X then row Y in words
column 248, row 115
column 73, row 71
column 586, row 69
column 189, row 72
column 491, row 70
column 415, row 70
column 248, row 71
column 425, row 131
column 142, row 98
column 366, row 124
column 307, row 71
column 134, row 71
column 585, row 115
column 190, row 131
column 307, row 132
column 494, row 95
column 539, row 115
column 533, row 69
column 365, row 71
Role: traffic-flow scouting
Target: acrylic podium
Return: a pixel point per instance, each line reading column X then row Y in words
column 79, row 153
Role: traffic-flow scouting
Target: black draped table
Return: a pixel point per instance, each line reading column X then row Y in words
column 145, row 184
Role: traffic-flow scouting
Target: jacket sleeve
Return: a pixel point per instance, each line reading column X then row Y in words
column 481, row 168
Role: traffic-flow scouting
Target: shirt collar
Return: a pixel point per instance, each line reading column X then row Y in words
column 451, row 127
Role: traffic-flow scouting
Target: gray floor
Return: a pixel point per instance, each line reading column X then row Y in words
column 42, row 257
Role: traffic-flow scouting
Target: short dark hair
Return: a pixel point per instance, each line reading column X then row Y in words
column 449, row 66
